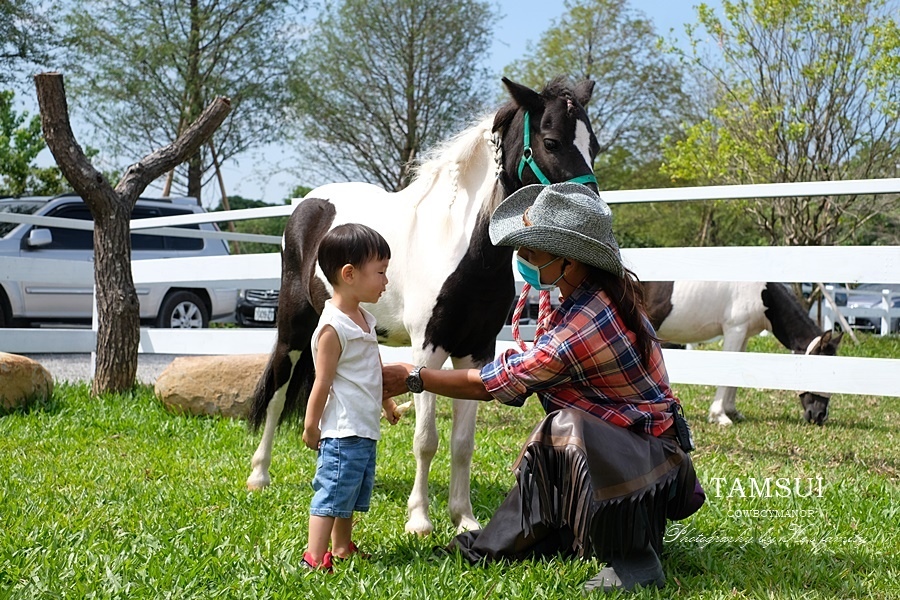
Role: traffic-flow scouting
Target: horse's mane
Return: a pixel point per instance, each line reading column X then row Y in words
column 457, row 153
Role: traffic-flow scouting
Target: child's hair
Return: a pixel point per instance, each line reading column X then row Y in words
column 350, row 244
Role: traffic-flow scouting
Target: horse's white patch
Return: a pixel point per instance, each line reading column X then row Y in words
column 813, row 344
column 583, row 142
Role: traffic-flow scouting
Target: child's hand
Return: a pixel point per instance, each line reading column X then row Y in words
column 389, row 410
column 311, row 436
column 393, row 412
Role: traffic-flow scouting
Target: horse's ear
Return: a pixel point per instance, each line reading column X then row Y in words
column 584, row 89
column 836, row 339
column 524, row 96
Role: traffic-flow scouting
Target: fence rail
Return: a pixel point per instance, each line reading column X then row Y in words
column 772, row 371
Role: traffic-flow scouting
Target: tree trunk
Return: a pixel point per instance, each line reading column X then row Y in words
column 118, row 310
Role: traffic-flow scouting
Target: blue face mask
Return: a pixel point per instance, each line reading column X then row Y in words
column 532, row 274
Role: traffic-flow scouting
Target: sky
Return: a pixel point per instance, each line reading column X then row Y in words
column 263, row 173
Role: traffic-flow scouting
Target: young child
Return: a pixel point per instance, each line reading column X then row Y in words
column 342, row 416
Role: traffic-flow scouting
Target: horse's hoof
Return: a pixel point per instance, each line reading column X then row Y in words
column 255, row 484
column 736, row 416
column 420, row 527
column 720, row 419
column 467, row 524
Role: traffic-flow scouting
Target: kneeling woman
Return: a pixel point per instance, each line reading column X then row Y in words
column 608, row 465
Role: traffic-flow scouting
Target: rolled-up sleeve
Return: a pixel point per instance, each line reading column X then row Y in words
column 513, row 376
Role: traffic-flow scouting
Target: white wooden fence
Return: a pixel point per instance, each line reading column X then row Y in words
column 849, row 375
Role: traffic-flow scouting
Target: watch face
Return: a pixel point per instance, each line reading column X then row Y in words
column 414, row 382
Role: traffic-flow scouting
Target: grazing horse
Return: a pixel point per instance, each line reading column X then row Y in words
column 449, row 288
column 685, row 312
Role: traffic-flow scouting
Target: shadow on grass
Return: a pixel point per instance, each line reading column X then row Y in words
column 50, row 406
column 486, row 495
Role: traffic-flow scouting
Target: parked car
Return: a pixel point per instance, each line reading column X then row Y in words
column 257, row 308
column 869, row 295
column 865, row 295
column 23, row 303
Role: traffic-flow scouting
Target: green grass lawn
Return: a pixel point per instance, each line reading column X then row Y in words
column 114, row 497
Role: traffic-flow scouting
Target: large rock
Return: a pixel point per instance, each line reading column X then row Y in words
column 211, row 385
column 22, row 380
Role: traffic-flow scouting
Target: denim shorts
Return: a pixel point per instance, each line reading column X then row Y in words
column 345, row 473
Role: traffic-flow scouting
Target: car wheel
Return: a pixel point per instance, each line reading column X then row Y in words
column 183, row 310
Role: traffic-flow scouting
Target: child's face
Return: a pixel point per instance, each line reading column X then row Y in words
column 370, row 280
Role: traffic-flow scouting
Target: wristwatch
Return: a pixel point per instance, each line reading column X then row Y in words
column 414, row 381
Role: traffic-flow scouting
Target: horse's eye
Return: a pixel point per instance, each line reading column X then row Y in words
column 551, row 145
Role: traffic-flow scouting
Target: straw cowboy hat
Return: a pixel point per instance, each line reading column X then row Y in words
column 565, row 219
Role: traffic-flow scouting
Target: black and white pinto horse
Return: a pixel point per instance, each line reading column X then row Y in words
column 686, row 312
column 449, row 288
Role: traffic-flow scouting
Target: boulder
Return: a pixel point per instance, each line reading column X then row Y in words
column 22, row 380
column 211, row 385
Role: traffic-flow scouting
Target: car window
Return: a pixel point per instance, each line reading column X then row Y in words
column 18, row 208
column 145, row 241
column 180, row 243
column 71, row 239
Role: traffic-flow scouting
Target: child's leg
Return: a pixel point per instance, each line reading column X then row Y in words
column 340, row 537
column 320, row 530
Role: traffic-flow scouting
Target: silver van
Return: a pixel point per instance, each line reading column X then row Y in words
column 23, row 303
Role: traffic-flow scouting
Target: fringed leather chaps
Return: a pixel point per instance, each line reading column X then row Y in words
column 587, row 487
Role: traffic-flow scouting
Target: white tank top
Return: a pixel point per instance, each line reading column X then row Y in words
column 354, row 401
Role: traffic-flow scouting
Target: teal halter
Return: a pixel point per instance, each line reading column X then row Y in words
column 528, row 159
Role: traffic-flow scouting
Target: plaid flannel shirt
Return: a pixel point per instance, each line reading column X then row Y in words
column 587, row 360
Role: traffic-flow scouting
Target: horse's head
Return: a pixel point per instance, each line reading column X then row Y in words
column 815, row 404
column 546, row 137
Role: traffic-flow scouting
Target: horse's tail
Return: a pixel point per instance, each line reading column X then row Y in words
column 300, row 302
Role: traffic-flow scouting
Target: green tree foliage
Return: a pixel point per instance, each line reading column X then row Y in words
column 806, row 90
column 143, row 70
column 21, row 141
column 25, row 36
column 380, row 80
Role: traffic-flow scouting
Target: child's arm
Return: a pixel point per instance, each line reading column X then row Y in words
column 327, row 355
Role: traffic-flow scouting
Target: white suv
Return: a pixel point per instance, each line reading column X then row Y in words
column 23, row 303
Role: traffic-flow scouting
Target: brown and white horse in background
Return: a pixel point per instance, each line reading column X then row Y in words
column 687, row 312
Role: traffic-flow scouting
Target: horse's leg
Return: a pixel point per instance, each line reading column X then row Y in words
column 722, row 410
column 262, row 458
column 425, row 444
column 462, row 444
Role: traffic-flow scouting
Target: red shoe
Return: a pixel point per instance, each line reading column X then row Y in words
column 310, row 564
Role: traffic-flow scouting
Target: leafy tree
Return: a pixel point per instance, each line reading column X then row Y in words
column 380, row 80
column 142, row 70
column 806, row 90
column 20, row 143
column 25, row 35
column 638, row 97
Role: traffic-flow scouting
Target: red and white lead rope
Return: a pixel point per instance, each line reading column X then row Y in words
column 543, row 314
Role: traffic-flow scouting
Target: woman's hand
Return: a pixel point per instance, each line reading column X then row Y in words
column 394, row 379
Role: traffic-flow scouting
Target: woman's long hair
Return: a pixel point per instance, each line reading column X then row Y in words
column 627, row 294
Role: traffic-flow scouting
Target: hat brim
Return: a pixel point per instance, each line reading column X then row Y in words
column 507, row 228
